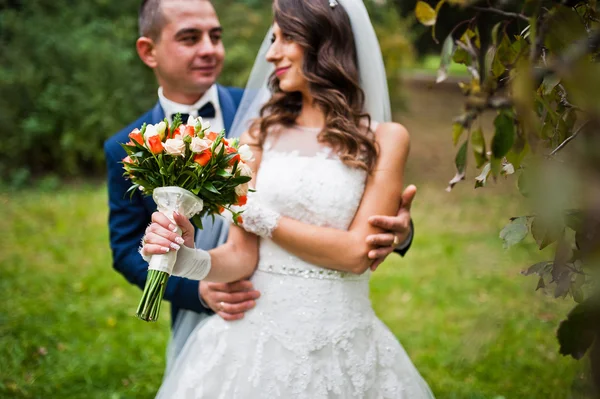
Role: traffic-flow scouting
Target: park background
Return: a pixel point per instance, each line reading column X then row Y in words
column 70, row 78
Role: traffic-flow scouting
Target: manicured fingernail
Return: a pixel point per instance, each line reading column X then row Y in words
column 165, row 249
column 179, row 240
column 175, row 246
column 172, row 227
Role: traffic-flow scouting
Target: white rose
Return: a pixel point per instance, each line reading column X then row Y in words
column 241, row 190
column 160, row 128
column 199, row 145
column 244, row 169
column 150, row 132
column 175, row 147
column 192, row 121
column 245, row 153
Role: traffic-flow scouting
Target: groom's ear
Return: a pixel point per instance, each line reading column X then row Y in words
column 146, row 50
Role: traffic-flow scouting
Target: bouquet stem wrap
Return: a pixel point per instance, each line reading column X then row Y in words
column 168, row 200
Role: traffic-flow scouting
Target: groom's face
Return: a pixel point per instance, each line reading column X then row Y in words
column 189, row 53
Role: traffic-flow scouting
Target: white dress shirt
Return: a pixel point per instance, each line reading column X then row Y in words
column 211, row 95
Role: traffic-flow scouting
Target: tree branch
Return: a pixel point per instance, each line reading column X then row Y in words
column 501, row 12
column 568, row 139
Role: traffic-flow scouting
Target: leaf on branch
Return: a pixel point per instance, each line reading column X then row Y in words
column 541, row 284
column 576, row 334
column 481, row 180
column 478, row 144
column 504, row 136
column 514, row 232
column 508, row 169
column 446, row 58
column 425, row 13
column 540, row 268
column 457, row 130
column 549, row 83
column 564, row 28
column 461, row 165
column 458, row 177
column 461, row 157
column 542, row 233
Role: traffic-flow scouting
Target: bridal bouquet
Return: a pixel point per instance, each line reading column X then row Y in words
column 186, row 169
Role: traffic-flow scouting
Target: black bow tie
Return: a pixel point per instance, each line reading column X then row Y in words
column 207, row 111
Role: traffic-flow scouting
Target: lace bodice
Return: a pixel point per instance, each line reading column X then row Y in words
column 306, row 181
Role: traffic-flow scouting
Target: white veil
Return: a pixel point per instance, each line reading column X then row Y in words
column 377, row 104
column 371, row 69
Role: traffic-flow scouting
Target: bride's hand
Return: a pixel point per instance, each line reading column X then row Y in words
column 161, row 236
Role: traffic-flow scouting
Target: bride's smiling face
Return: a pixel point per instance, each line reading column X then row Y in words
column 288, row 58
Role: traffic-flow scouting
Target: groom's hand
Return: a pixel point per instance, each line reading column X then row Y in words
column 397, row 229
column 229, row 300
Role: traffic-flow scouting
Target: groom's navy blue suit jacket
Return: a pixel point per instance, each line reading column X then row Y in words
column 129, row 217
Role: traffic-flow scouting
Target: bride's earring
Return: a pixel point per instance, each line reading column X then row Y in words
column 333, row 3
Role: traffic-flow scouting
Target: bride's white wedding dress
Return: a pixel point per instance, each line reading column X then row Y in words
column 313, row 333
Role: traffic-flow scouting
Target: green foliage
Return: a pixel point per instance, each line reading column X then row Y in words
column 70, row 76
column 542, row 85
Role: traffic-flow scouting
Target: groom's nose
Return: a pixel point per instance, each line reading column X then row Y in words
column 206, row 47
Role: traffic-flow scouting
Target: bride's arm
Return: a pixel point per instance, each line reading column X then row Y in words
column 348, row 250
column 238, row 257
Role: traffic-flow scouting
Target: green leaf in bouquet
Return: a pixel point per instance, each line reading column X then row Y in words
column 240, row 180
column 223, row 173
column 143, row 129
column 210, row 187
column 197, row 221
column 207, row 195
column 176, row 122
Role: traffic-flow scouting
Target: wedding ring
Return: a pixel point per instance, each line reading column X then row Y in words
column 396, row 241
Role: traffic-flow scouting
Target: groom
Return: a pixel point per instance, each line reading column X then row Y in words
column 181, row 41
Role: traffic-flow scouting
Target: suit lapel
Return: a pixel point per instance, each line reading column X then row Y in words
column 157, row 114
column 227, row 108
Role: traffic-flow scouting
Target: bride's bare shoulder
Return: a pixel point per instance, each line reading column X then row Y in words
column 392, row 136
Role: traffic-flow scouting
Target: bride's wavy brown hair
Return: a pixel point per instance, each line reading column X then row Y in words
column 331, row 70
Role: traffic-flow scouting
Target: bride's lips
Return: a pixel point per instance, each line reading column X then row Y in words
column 280, row 71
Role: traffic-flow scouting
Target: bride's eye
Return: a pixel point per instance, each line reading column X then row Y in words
column 272, row 39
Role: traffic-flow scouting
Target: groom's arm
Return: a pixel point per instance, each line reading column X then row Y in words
column 128, row 219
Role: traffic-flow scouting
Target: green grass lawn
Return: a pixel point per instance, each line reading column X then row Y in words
column 431, row 63
column 473, row 325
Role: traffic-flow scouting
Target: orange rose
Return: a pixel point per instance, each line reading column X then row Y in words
column 212, row 136
column 190, row 131
column 128, row 159
column 241, row 200
column 240, row 220
column 136, row 136
column 221, row 209
column 203, row 158
column 155, row 145
column 177, row 132
column 231, row 150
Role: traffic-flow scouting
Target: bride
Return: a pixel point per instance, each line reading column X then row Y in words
column 323, row 166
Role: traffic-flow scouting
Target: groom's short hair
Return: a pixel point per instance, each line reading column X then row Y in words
column 151, row 20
